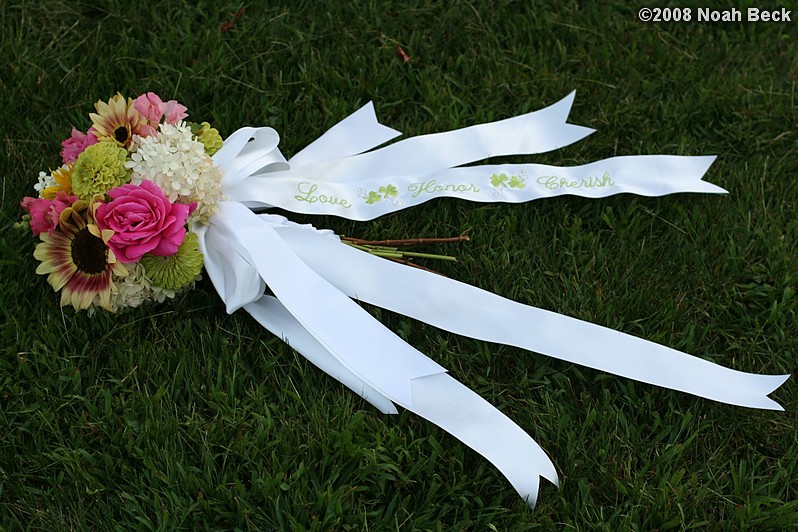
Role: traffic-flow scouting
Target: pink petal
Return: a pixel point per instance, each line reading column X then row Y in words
column 149, row 106
column 173, row 111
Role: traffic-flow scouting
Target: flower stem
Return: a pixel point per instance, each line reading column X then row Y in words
column 406, row 241
column 389, row 249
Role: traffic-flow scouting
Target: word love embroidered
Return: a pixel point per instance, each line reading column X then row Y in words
column 307, row 192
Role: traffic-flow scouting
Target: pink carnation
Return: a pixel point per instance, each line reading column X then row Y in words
column 173, row 111
column 151, row 107
column 44, row 213
column 143, row 221
column 76, row 143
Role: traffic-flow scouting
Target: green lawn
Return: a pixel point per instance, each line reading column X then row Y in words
column 182, row 417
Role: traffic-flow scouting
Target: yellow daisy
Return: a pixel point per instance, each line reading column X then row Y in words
column 117, row 121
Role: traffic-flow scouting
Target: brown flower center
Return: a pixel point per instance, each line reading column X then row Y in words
column 121, row 134
column 89, row 252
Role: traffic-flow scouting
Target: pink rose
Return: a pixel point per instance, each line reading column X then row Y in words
column 76, row 143
column 143, row 221
column 44, row 213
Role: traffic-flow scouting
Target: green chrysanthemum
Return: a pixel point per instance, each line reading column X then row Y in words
column 210, row 138
column 98, row 169
column 175, row 271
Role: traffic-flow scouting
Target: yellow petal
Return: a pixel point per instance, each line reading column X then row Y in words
column 50, row 192
column 58, row 280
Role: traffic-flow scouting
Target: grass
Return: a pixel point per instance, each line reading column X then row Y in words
column 182, row 417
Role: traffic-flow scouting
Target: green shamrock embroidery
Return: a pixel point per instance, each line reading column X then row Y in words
column 502, row 181
column 498, row 180
column 388, row 191
column 517, row 182
column 372, row 198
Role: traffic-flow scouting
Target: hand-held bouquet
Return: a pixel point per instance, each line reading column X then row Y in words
column 145, row 199
column 113, row 219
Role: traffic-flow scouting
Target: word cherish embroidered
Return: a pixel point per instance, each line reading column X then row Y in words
column 433, row 187
column 307, row 193
column 553, row 182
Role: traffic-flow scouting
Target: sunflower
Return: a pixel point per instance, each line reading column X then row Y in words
column 117, row 121
column 78, row 260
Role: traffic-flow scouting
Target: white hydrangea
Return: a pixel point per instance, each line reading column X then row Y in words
column 135, row 289
column 178, row 164
column 45, row 180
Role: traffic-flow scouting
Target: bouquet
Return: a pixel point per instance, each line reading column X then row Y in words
column 114, row 220
column 144, row 200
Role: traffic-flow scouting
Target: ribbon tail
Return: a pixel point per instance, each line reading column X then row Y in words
column 354, row 347
column 536, row 132
column 643, row 175
column 476, row 313
column 437, row 398
column 465, row 415
column 270, row 313
column 358, row 132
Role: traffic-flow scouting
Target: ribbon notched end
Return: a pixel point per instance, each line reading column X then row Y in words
column 774, row 382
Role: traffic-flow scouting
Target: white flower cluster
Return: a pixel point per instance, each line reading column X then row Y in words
column 135, row 289
column 45, row 180
column 178, row 164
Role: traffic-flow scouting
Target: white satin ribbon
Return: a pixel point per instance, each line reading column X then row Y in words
column 438, row 398
column 313, row 275
column 322, row 309
column 357, row 133
column 333, row 176
column 536, row 132
column 653, row 175
column 470, row 311
column 243, row 250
